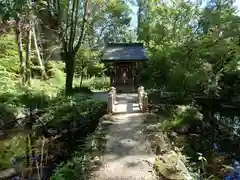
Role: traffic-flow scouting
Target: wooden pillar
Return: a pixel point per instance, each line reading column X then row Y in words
column 113, row 75
column 135, row 76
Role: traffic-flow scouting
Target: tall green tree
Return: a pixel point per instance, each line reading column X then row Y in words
column 71, row 17
column 20, row 12
column 190, row 47
column 87, row 24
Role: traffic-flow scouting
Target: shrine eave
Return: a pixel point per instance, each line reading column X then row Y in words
column 124, row 52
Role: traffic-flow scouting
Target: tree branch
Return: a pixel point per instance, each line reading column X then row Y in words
column 84, row 20
column 76, row 20
column 71, row 39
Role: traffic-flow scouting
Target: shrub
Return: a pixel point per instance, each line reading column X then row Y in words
column 73, row 169
column 69, row 113
column 26, row 98
column 188, row 120
column 97, row 83
column 74, row 117
column 85, row 116
column 78, row 166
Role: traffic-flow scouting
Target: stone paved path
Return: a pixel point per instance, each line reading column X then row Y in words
column 128, row 155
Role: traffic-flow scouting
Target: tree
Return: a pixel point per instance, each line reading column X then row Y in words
column 108, row 22
column 20, row 12
column 88, row 24
column 24, row 14
column 190, row 47
column 71, row 17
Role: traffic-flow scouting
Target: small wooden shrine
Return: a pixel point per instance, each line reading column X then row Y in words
column 123, row 61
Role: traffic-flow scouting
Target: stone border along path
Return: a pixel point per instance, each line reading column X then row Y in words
column 127, row 154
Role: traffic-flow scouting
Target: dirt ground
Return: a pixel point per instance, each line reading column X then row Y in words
column 127, row 155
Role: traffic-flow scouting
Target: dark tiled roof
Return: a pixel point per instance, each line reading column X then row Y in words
column 124, row 52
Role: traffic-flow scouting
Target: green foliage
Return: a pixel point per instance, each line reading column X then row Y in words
column 97, row 83
column 8, row 54
column 75, row 168
column 27, row 98
column 189, row 116
column 11, row 8
column 67, row 113
column 10, row 147
column 84, row 114
column 9, row 64
column 184, row 119
column 110, row 20
column 190, row 48
column 58, row 115
column 54, row 68
column 88, row 61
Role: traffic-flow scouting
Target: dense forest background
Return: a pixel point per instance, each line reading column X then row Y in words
column 50, row 59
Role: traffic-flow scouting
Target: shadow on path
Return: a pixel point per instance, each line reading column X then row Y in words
column 127, row 154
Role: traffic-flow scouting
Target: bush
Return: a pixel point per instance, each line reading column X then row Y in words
column 85, row 116
column 69, row 113
column 78, row 166
column 97, row 83
column 53, row 68
column 73, row 169
column 26, row 98
column 186, row 120
column 71, row 118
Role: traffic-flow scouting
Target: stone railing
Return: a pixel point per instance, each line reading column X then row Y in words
column 111, row 99
column 142, row 99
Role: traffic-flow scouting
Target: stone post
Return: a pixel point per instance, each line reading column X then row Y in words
column 140, row 91
column 110, row 102
column 145, row 102
column 113, row 90
column 141, row 99
column 141, row 88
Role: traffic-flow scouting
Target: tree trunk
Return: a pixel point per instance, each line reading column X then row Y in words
column 20, row 50
column 42, row 69
column 81, row 80
column 84, row 21
column 80, row 40
column 28, row 57
column 69, row 59
column 68, row 42
column 139, row 17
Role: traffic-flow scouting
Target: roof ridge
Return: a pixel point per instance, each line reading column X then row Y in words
column 124, row 52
